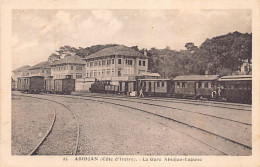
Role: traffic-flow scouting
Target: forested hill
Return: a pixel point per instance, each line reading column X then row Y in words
column 221, row 55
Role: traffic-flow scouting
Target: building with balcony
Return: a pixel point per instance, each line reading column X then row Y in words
column 70, row 65
column 41, row 69
column 116, row 63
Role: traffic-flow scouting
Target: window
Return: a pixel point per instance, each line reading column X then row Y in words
column 119, row 70
column 113, row 61
column 71, row 67
column 158, row 84
column 99, row 73
column 143, row 63
column 163, row 84
column 99, row 63
column 78, row 75
column 108, row 61
column 108, row 72
column 91, row 74
column 91, row 64
column 95, row 63
column 87, row 64
column 129, row 62
column 119, row 61
column 87, row 74
column 95, row 73
column 103, row 62
column 140, row 62
column 42, row 71
column 113, row 71
column 103, row 72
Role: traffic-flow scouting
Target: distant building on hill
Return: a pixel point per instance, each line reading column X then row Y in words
column 70, row 65
column 246, row 67
column 41, row 69
column 116, row 63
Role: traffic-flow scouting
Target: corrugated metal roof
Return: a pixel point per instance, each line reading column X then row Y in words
column 69, row 60
column 116, row 50
column 236, row 78
column 44, row 64
column 196, row 77
column 23, row 68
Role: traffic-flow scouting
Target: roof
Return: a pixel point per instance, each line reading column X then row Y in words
column 149, row 74
column 69, row 60
column 23, row 68
column 44, row 64
column 236, row 77
column 196, row 77
column 116, row 50
column 154, row 79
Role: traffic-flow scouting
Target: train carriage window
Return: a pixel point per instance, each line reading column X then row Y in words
column 199, row 84
column 158, row 84
column 183, row 84
column 206, row 85
column 162, row 83
column 178, row 84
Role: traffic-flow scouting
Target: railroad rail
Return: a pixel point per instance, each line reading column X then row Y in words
column 35, row 150
column 168, row 107
column 246, row 149
column 183, row 101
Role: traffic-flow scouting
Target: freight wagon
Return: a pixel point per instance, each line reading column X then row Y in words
column 49, row 85
column 64, row 86
column 34, row 84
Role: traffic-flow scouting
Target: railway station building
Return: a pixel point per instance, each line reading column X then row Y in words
column 41, row 69
column 116, row 63
column 70, row 65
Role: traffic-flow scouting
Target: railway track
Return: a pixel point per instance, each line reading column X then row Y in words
column 44, row 141
column 244, row 107
column 218, row 142
column 151, row 103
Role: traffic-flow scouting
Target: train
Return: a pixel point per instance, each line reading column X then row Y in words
column 39, row 84
column 237, row 88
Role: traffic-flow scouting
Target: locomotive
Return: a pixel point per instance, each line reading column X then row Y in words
column 38, row 84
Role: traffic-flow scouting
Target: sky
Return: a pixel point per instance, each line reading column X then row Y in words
column 38, row 33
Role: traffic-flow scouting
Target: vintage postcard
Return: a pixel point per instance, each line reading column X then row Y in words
column 130, row 83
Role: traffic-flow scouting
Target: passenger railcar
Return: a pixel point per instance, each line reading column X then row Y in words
column 34, row 84
column 156, row 87
column 195, row 86
column 237, row 88
column 65, row 85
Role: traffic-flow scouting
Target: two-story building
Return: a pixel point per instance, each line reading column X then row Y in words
column 70, row 65
column 41, row 69
column 115, row 63
column 21, row 72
